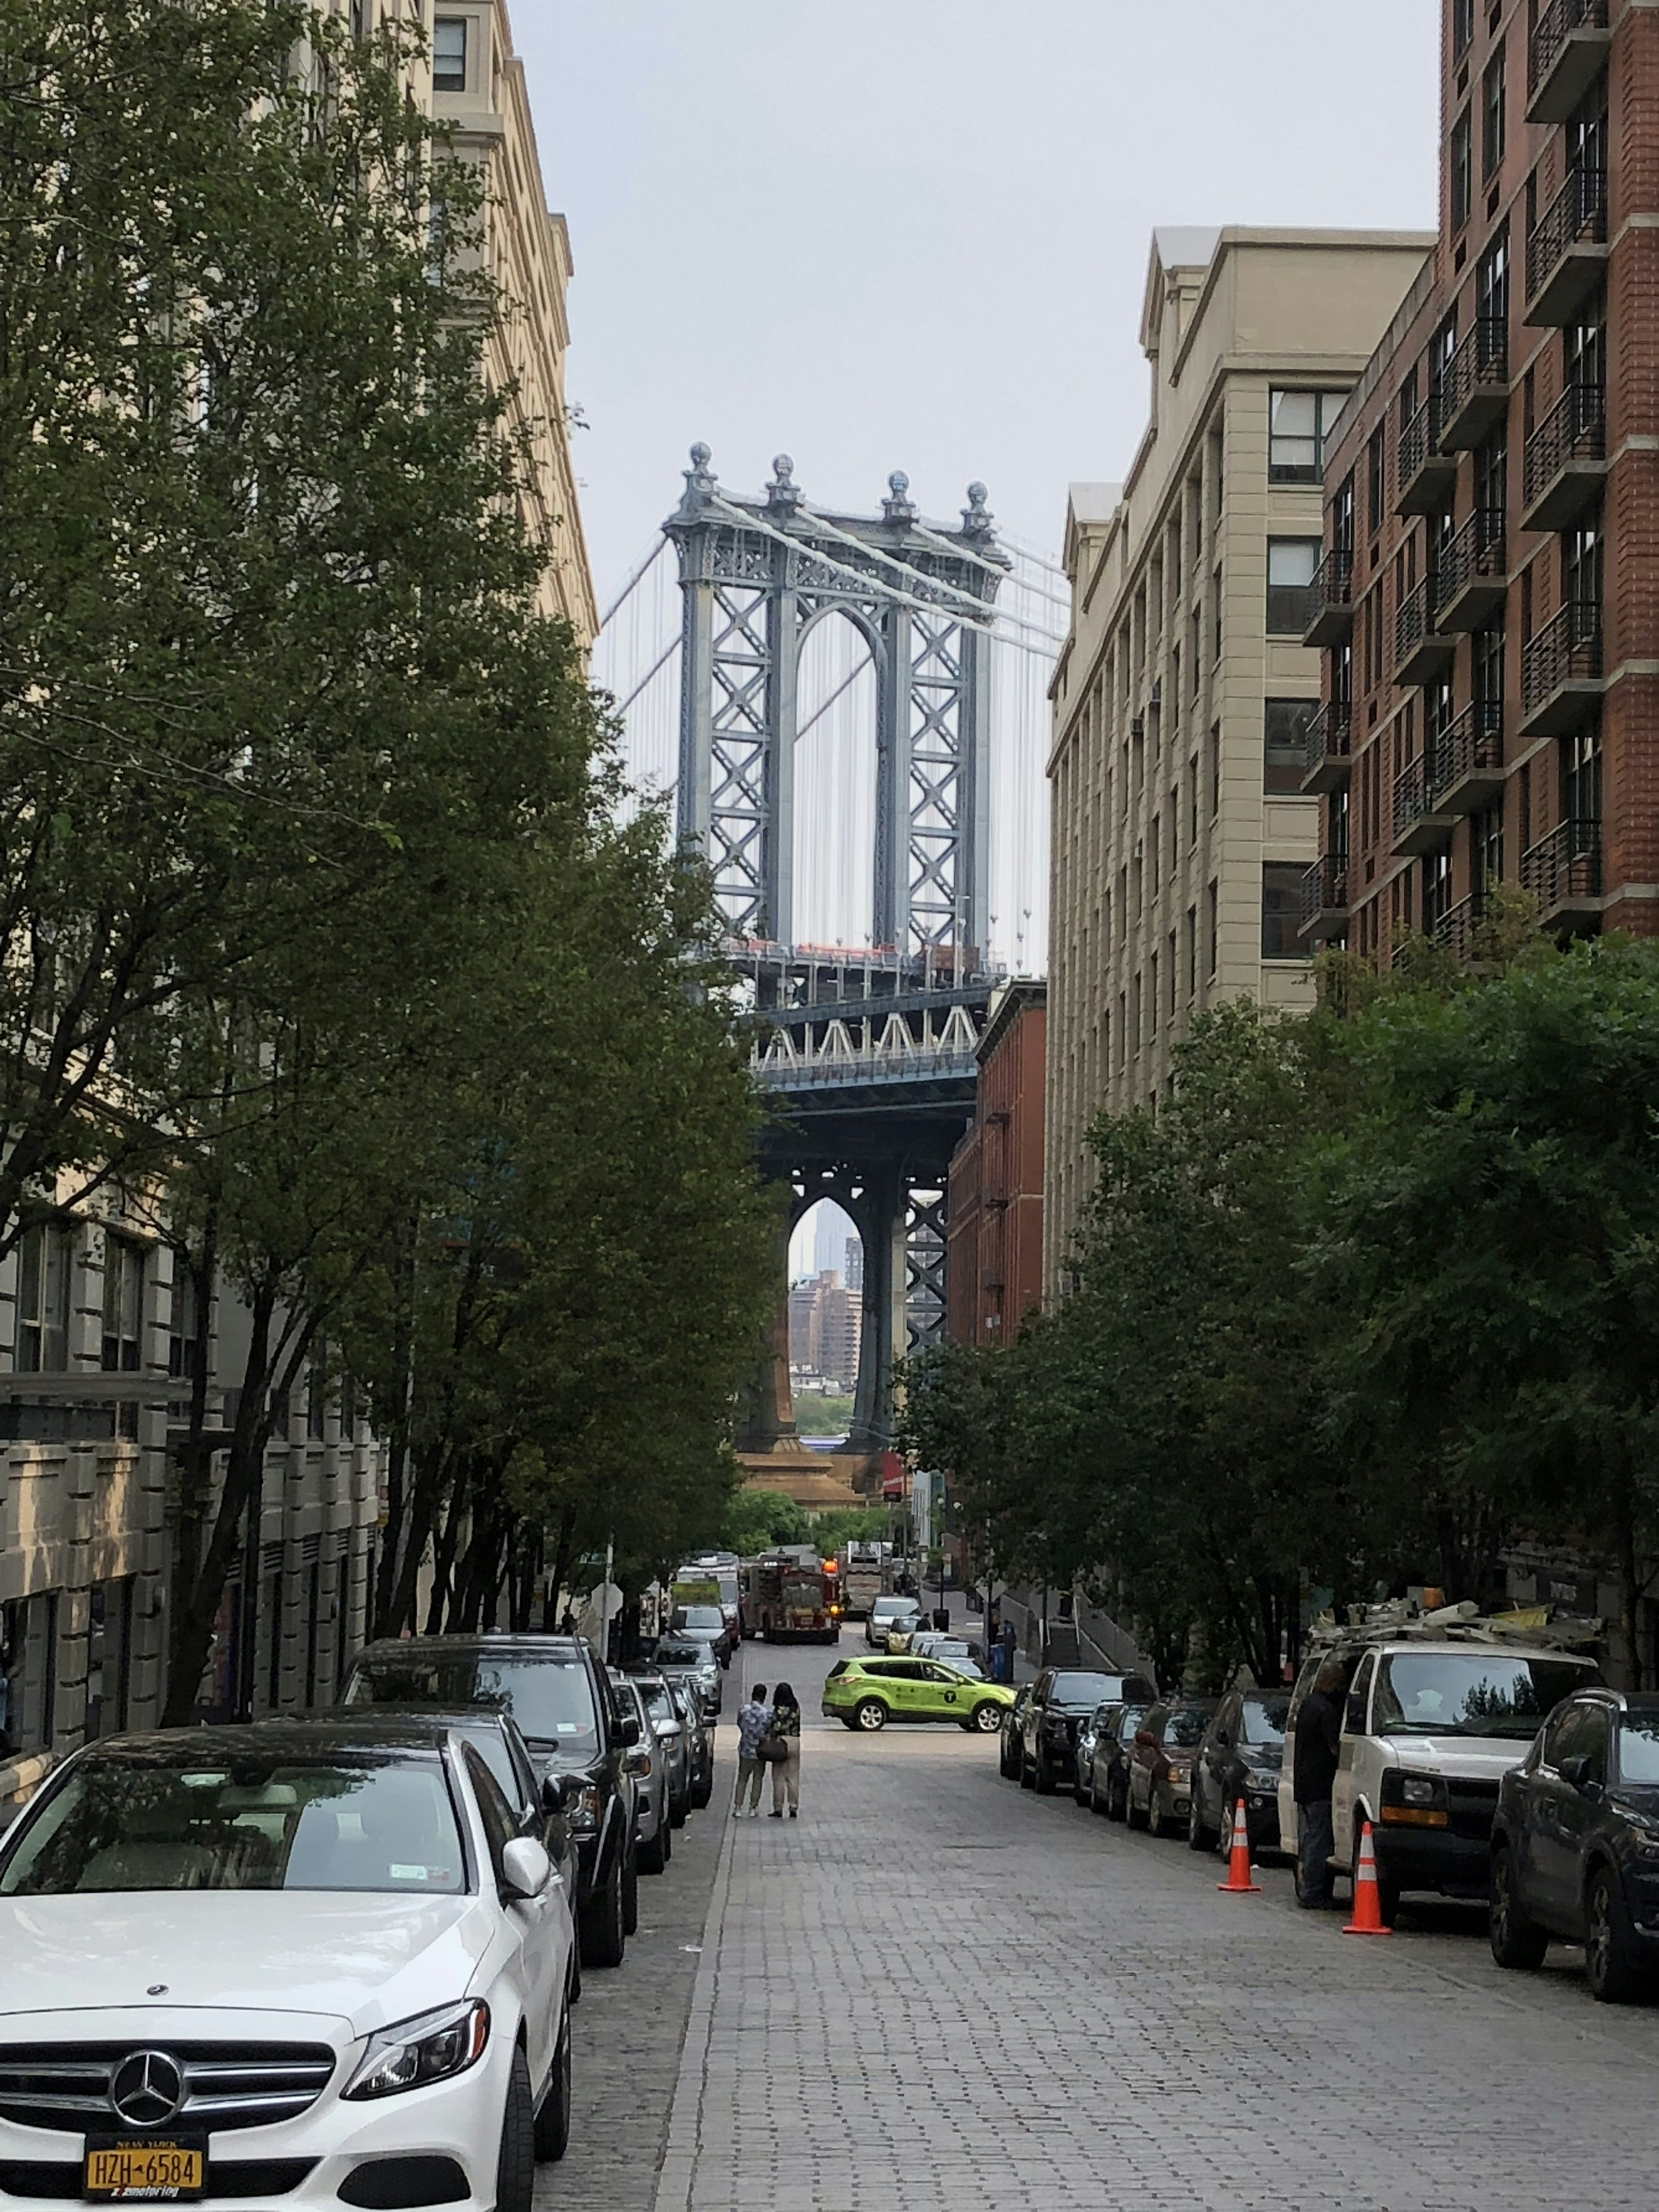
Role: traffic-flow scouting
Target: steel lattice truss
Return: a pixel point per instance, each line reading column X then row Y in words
column 924, row 1267
column 755, row 574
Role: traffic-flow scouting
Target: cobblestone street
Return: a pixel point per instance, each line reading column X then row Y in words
column 937, row 1989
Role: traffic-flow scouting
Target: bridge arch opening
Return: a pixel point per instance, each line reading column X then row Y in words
column 826, row 1317
column 832, row 858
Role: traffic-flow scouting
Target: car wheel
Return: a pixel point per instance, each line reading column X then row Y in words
column 870, row 1715
column 986, row 1719
column 1027, row 1772
column 1613, row 1976
column 1132, row 1812
column 652, row 1858
column 1157, row 1821
column 515, row 2165
column 1516, row 1941
column 1387, row 1893
column 679, row 1812
column 604, row 1937
column 702, row 1792
column 1198, row 1837
column 553, row 2121
column 1079, row 1795
column 1044, row 1783
column 1097, row 1803
column 630, row 1892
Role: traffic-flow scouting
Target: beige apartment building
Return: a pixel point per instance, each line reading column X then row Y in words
column 96, row 1332
column 1180, row 837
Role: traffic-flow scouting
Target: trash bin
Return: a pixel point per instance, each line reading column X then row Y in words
column 942, row 1617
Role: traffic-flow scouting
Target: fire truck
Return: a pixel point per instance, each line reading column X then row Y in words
column 790, row 1597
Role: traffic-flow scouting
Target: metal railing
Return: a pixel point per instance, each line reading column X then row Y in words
column 1456, row 928
column 1567, row 648
column 1476, row 551
column 1415, row 620
column 1480, row 361
column 1472, row 743
column 1575, row 429
column 1418, row 440
column 1577, row 216
column 1333, row 582
column 1411, row 793
column 1329, row 734
column 1325, row 887
column 1555, row 25
column 1564, row 865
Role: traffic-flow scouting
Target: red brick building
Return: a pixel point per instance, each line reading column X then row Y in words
column 993, row 1196
column 1486, row 599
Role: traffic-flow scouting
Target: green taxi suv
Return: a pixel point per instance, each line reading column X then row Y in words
column 867, row 1693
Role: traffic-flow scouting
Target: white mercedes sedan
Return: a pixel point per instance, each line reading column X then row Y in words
column 308, row 1962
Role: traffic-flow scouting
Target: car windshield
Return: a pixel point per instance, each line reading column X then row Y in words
column 1639, row 1750
column 551, row 1697
column 1489, row 1693
column 700, row 1616
column 685, row 1653
column 1185, row 1727
column 890, row 1608
column 660, row 1705
column 957, row 1666
column 1264, row 1719
column 1071, row 1689
column 351, row 1822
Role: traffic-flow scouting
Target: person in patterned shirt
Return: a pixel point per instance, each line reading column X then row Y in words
column 753, row 1720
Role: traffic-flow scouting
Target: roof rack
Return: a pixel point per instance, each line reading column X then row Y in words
column 1544, row 1627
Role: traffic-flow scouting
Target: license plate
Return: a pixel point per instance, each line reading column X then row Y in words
column 145, row 2169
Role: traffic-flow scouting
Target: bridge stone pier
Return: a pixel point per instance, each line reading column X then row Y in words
column 867, row 1053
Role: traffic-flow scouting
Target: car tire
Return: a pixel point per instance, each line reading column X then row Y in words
column 1027, row 1772
column 1096, row 1802
column 1044, row 1783
column 870, row 1716
column 1610, row 1966
column 1198, row 1837
column 604, row 1937
column 679, row 1812
column 1079, row 1795
column 1517, row 1943
column 630, row 1892
column 515, row 2162
column 652, row 1858
column 1160, row 1823
column 701, row 1791
column 986, row 1719
column 1132, row 1812
column 552, row 2136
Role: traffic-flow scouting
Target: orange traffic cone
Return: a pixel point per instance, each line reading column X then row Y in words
column 1367, row 1907
column 1238, row 1882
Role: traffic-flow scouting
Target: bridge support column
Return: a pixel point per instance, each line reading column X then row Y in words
column 881, row 1344
column 768, row 1422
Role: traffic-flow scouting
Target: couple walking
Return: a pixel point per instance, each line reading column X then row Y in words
column 769, row 1735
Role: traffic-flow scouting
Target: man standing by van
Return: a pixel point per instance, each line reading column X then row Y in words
column 1318, row 1738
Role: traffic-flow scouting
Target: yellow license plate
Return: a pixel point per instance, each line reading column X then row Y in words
column 160, row 2171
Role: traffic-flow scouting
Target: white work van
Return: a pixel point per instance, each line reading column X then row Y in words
column 1429, row 1728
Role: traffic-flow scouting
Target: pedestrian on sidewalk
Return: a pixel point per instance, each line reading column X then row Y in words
column 784, row 1729
column 753, row 1720
column 1318, row 1741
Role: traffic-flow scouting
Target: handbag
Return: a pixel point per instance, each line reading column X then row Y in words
column 771, row 1751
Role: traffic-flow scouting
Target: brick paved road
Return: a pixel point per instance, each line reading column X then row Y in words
column 936, row 1990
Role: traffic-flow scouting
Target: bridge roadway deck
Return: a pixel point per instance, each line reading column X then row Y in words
column 936, row 1990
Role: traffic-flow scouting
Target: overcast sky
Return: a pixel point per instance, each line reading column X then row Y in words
column 912, row 234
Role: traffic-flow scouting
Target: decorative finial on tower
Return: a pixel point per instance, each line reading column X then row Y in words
column 783, row 493
column 699, row 481
column 898, row 509
column 977, row 520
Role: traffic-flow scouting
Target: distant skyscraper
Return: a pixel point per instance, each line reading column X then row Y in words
column 852, row 1271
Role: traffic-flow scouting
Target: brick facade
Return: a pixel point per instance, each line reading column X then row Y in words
column 994, row 1194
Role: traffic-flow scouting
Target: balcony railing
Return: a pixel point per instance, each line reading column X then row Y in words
column 1457, row 928
column 1466, row 760
column 1423, row 473
column 1561, row 667
column 1564, row 869
column 1568, row 43
column 1474, row 385
column 1417, row 827
column 1420, row 650
column 1325, row 896
column 1565, row 459
column 1325, row 762
column 1330, row 598
column 1473, row 572
column 1564, row 247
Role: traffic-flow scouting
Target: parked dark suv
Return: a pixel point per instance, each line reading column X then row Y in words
column 559, row 1693
column 1575, row 1845
column 1062, row 1698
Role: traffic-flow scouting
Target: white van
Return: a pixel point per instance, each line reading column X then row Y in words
column 1430, row 1730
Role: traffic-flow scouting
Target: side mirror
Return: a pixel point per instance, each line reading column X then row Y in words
column 526, row 1868
column 628, row 1730
column 1575, row 1772
column 637, row 1761
column 559, row 1794
column 1223, row 1740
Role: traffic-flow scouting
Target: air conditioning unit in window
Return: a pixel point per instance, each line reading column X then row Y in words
column 1158, row 691
column 1138, row 727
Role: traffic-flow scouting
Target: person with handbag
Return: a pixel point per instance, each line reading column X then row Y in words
column 781, row 1749
column 753, row 1720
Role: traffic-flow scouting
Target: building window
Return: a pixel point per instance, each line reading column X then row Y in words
column 1191, row 953
column 1581, row 776
column 1492, row 118
column 1462, row 27
column 1487, row 845
column 123, row 1305
column 1213, row 927
column 1462, row 170
column 1281, row 909
column 1291, row 565
column 184, row 1329
column 40, row 1344
column 1376, row 479
column 1285, row 743
column 449, row 53
column 1299, row 424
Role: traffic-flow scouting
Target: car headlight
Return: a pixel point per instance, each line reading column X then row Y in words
column 1414, row 1801
column 1178, row 1776
column 431, row 2047
column 585, row 1812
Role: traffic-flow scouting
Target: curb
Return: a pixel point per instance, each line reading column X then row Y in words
column 683, row 2143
